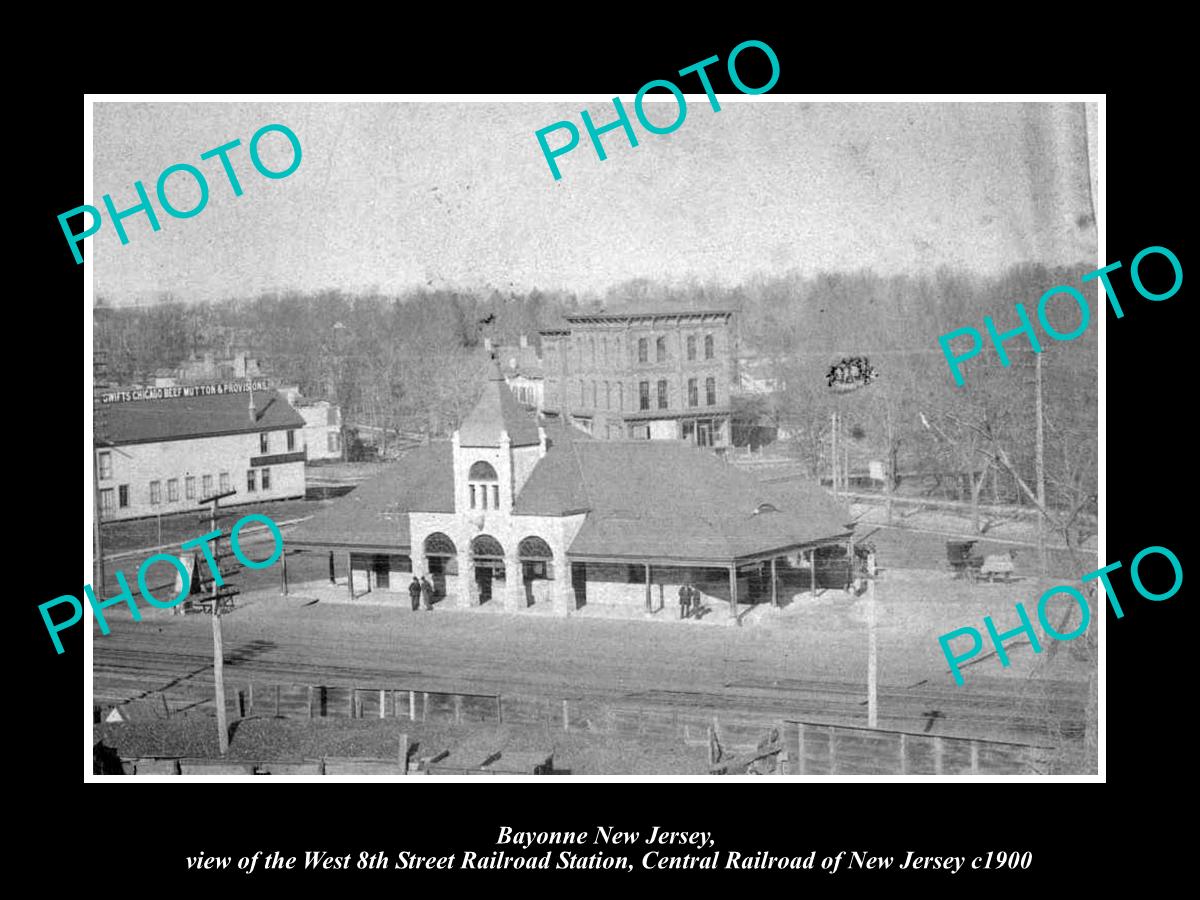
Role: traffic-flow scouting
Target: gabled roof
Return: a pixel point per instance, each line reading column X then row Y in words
column 497, row 411
column 375, row 514
column 179, row 418
column 668, row 499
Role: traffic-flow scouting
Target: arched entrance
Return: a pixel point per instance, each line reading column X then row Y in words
column 441, row 559
column 536, row 567
column 487, row 559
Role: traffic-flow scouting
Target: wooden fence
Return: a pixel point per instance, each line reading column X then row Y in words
column 809, row 748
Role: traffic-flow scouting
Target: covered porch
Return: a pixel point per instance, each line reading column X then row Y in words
column 726, row 587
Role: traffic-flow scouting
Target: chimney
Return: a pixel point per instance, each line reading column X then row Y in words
column 253, row 411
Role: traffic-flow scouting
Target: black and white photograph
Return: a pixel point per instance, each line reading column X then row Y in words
column 429, row 445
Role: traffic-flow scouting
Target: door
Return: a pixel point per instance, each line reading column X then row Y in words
column 579, row 583
column 704, row 433
column 382, row 572
column 483, row 581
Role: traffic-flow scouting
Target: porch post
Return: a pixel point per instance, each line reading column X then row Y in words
column 812, row 571
column 332, row 578
column 283, row 558
column 733, row 598
column 774, row 585
column 648, row 604
column 350, row 574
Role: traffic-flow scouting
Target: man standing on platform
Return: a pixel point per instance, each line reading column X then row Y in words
column 414, row 593
column 685, row 601
column 427, row 592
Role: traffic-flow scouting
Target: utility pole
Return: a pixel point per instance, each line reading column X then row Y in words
column 215, row 614
column 872, row 649
column 99, row 382
column 833, row 429
column 1041, row 470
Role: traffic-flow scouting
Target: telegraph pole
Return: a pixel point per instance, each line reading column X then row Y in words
column 872, row 648
column 1041, row 469
column 833, row 429
column 215, row 614
column 99, row 382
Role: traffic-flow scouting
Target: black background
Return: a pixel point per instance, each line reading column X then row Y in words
column 1078, row 833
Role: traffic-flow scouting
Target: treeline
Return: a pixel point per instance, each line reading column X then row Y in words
column 414, row 363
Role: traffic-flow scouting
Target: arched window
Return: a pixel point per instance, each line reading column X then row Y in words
column 691, row 347
column 660, row 350
column 486, row 547
column 708, row 346
column 592, row 341
column 604, row 348
column 621, row 395
column 642, row 352
column 594, row 395
column 483, row 486
column 536, row 559
column 438, row 544
column 607, row 395
column 534, row 548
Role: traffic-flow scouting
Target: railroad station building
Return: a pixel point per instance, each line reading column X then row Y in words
column 161, row 450
column 644, row 375
column 510, row 513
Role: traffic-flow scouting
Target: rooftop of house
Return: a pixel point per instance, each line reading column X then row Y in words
column 181, row 418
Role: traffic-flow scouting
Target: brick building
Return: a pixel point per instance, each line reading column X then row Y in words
column 650, row 375
column 510, row 513
column 160, row 450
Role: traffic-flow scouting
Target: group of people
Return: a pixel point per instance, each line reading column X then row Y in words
column 420, row 592
column 689, row 601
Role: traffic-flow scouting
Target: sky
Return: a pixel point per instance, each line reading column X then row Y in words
column 391, row 196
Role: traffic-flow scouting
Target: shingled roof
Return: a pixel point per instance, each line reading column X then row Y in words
column 668, row 499
column 497, row 411
column 180, row 418
column 374, row 516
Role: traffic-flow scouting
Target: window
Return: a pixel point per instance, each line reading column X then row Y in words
column 607, row 395
column 331, row 416
column 662, row 393
column 643, row 395
column 123, row 496
column 621, row 395
column 155, row 492
column 481, row 476
column 291, row 441
column 266, row 479
column 333, row 439
column 173, row 490
column 693, row 393
column 105, row 458
column 604, row 349
column 206, row 486
column 263, row 442
column 251, row 484
column 189, row 487
column 643, row 351
column 582, row 399
column 708, row 346
column 593, row 395
column 224, row 482
column 710, row 391
column 691, row 347
column 106, row 502
column 660, row 349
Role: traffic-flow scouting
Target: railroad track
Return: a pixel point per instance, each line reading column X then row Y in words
column 142, row 665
